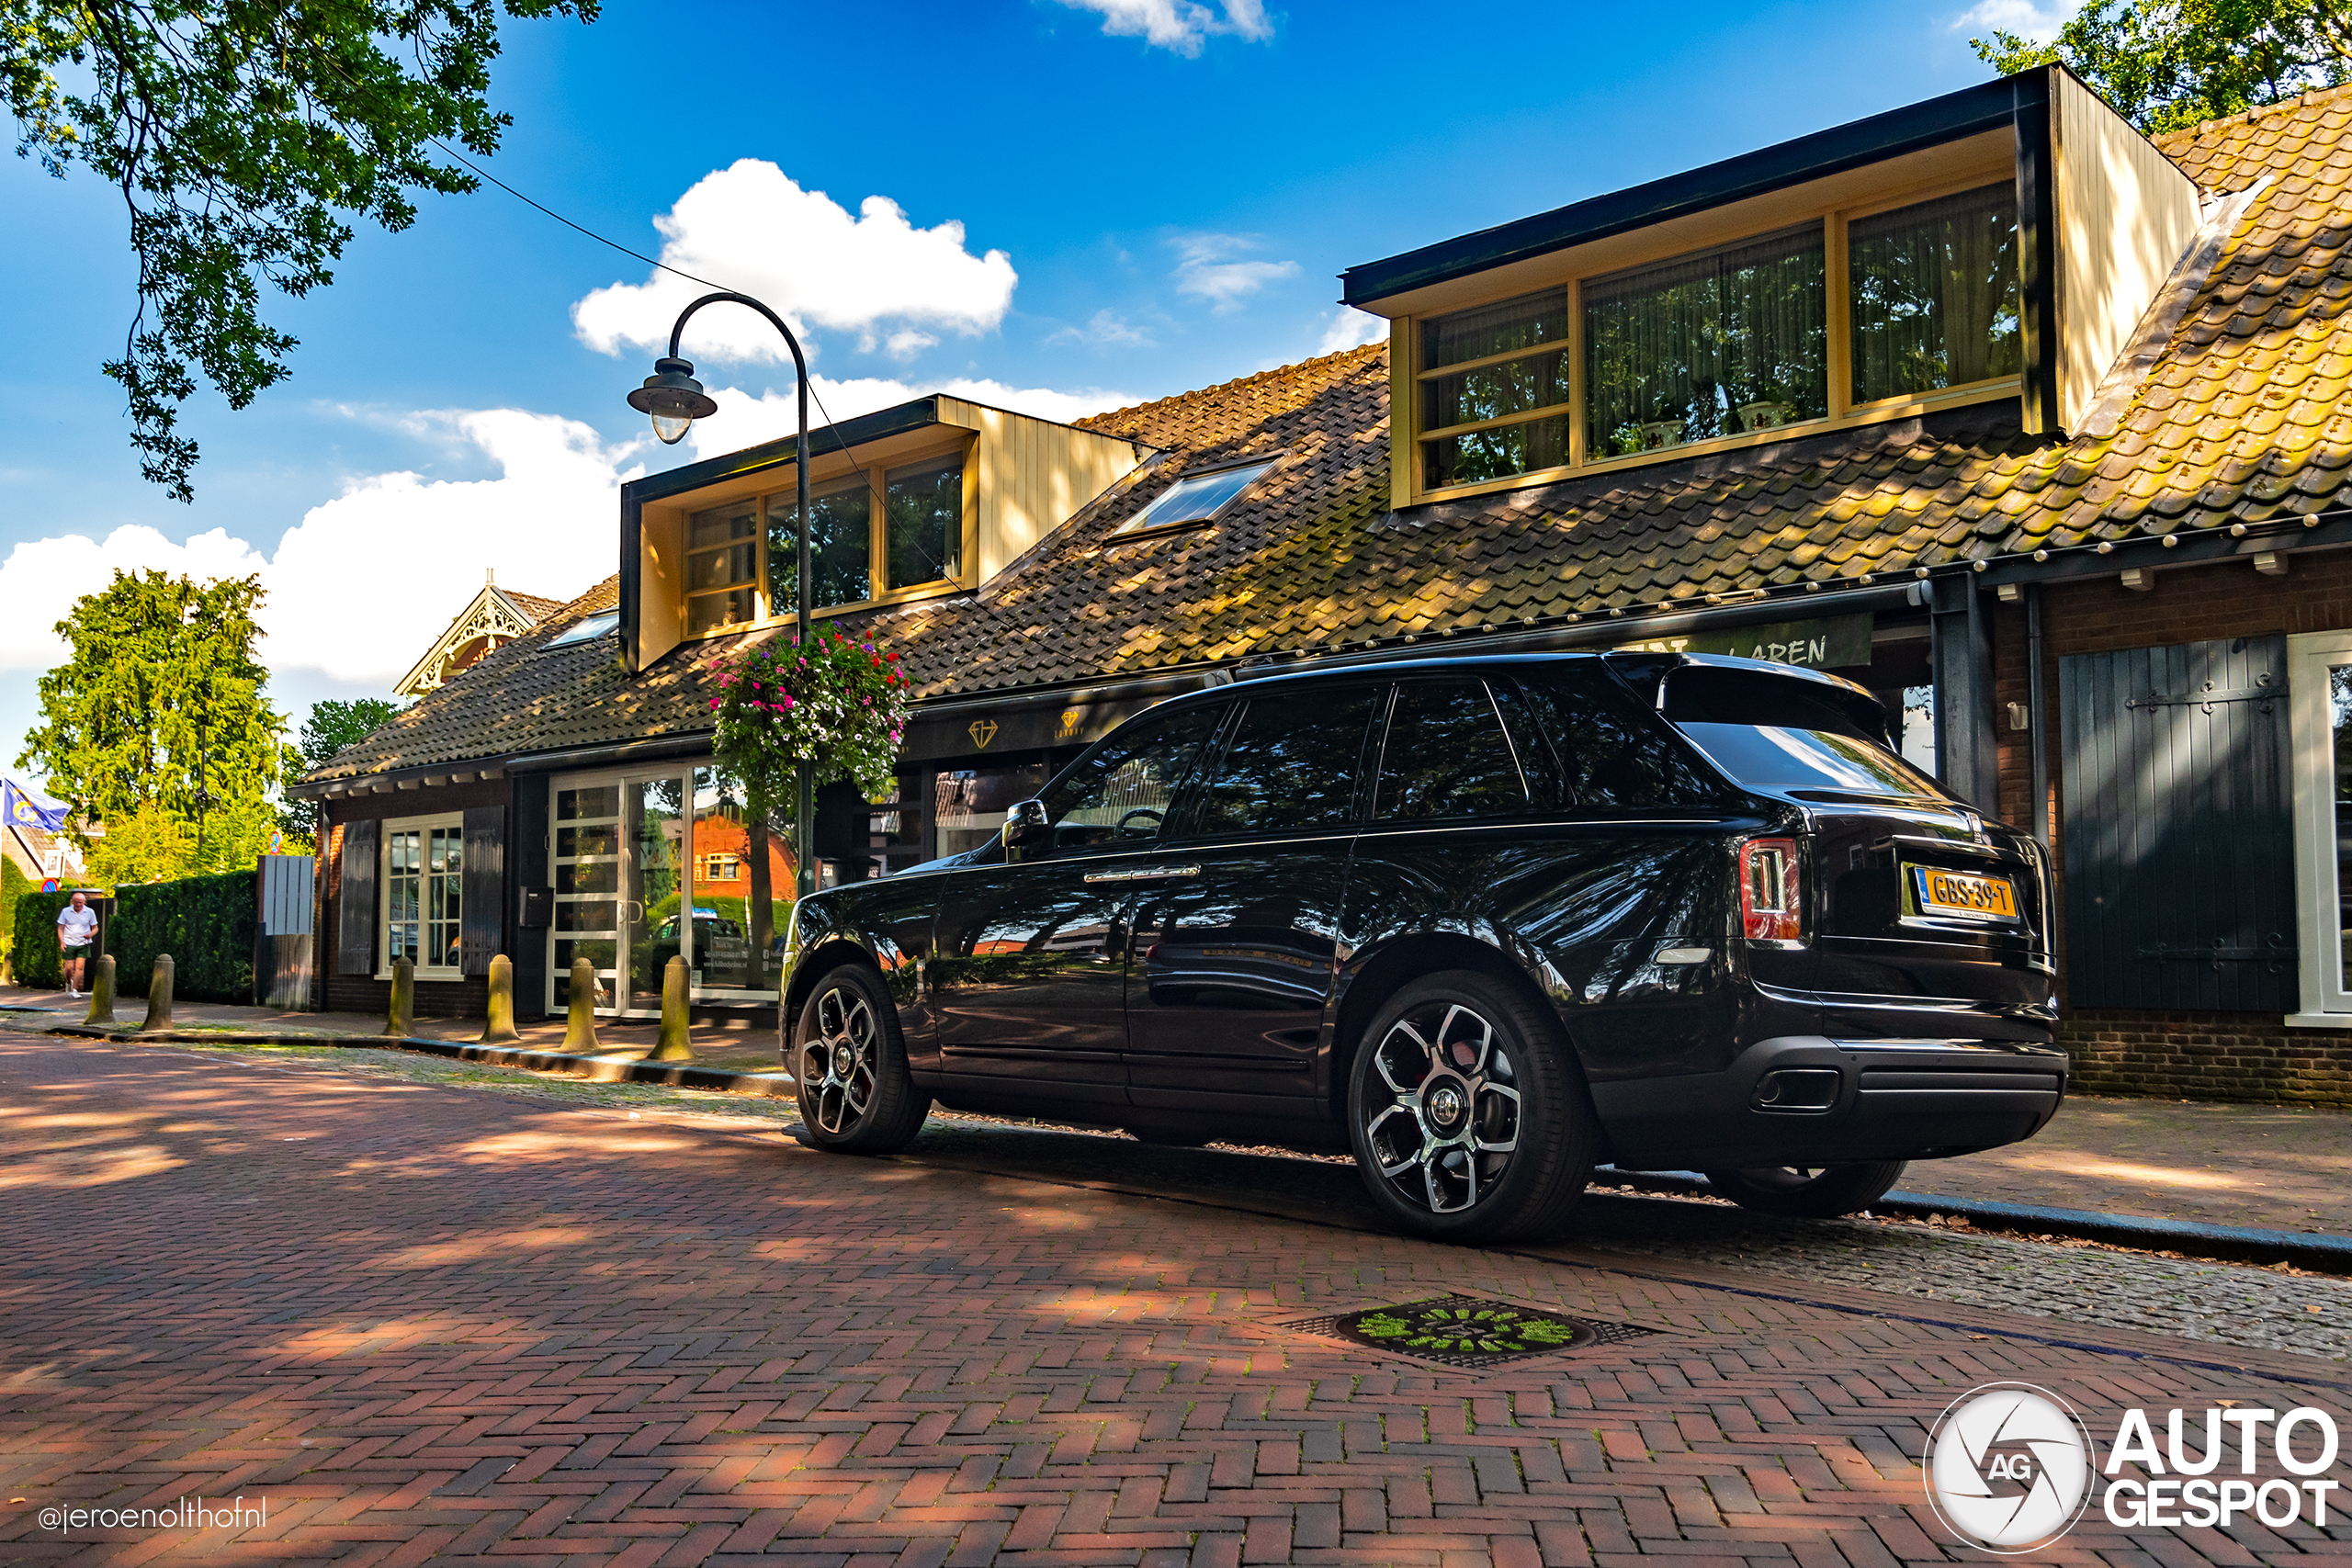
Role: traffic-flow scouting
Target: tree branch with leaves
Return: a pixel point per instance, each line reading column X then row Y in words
column 2168, row 66
column 244, row 136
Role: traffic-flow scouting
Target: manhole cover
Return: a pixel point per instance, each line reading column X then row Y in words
column 1467, row 1331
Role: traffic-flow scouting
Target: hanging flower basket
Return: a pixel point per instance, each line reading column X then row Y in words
column 837, row 705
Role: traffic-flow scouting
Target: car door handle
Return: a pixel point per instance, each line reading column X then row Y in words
column 1142, row 874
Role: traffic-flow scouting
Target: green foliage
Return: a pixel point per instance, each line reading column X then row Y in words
column 332, row 726
column 157, row 711
column 837, row 705
column 243, row 134
column 205, row 923
column 2167, row 66
column 14, row 885
column 34, row 957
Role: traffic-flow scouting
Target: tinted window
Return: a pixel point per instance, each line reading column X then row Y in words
column 1121, row 792
column 1292, row 763
column 1587, row 746
column 1447, row 755
column 1786, row 757
column 1703, row 695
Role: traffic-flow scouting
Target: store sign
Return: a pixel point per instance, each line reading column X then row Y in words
column 1014, row 728
column 1839, row 642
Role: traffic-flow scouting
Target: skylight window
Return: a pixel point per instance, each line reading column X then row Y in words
column 585, row 629
column 1198, row 499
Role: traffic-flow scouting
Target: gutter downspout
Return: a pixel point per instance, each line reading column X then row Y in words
column 2038, row 722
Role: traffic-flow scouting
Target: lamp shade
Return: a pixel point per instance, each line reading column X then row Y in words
column 672, row 399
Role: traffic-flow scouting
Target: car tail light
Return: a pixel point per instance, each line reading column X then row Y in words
column 1771, row 889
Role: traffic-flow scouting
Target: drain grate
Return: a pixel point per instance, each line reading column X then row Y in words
column 1467, row 1331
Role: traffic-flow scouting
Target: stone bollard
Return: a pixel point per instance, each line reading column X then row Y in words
column 101, row 990
column 671, row 1046
column 498, row 1023
column 580, row 1027
column 159, row 995
column 400, row 1019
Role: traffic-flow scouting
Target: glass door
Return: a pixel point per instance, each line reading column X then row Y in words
column 654, row 924
column 587, row 888
column 2319, row 686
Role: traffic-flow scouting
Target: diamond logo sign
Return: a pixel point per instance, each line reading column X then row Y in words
column 2009, row 1467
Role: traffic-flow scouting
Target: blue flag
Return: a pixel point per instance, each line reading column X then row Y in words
column 20, row 807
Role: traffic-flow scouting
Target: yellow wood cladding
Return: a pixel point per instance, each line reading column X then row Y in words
column 1022, row 478
column 2125, row 215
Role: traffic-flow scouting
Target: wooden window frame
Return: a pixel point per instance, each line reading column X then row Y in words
column 2326, row 990
column 1410, row 375
column 453, row 822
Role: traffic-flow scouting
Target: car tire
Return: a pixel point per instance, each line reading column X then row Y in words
column 850, row 1063
column 1807, row 1193
column 1468, row 1114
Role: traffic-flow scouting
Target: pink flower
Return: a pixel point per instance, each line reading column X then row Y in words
column 714, row 702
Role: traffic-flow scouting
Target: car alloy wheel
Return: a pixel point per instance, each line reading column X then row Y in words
column 1446, row 1139
column 839, row 1059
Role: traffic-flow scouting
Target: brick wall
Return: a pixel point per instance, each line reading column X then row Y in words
column 2195, row 1056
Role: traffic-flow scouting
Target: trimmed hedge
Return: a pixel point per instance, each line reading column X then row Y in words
column 33, row 956
column 205, row 923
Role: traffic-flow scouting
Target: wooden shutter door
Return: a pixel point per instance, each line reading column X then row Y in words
column 482, row 894
column 355, row 901
column 2178, row 827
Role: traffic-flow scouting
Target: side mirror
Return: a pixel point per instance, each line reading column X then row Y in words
column 1026, row 832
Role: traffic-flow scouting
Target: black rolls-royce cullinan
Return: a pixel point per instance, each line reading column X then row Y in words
column 1485, row 923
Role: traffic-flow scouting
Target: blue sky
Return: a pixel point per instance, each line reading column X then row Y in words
column 1070, row 205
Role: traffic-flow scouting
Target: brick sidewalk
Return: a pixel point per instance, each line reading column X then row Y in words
column 2275, row 1167
column 433, row 1325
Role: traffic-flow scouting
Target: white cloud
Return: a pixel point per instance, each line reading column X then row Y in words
column 2022, row 17
column 751, row 228
column 1351, row 328
column 361, row 587
column 1179, row 25
column 1206, row 269
column 744, row 419
column 1106, row 329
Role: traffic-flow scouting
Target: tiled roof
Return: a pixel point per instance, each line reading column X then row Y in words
column 531, row 604
column 2242, row 415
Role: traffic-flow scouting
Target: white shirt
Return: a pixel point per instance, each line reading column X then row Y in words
column 74, row 926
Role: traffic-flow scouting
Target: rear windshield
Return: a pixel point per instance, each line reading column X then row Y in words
column 1773, row 733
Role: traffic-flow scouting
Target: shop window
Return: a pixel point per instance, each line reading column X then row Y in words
column 969, row 804
column 2319, row 678
column 1721, row 343
column 922, row 508
column 424, row 887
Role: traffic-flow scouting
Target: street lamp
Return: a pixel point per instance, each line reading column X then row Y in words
column 673, row 399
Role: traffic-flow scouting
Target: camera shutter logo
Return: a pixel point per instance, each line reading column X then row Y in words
column 2009, row 1467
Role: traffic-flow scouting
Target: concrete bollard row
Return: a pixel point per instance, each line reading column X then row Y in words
column 101, row 989
column 159, row 993
column 400, row 1019
column 579, row 1024
column 498, row 1019
column 671, row 1044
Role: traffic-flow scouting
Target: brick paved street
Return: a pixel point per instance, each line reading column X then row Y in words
column 431, row 1323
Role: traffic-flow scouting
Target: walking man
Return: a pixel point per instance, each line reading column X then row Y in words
column 77, row 924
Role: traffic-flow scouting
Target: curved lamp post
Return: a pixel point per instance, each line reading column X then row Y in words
column 673, row 399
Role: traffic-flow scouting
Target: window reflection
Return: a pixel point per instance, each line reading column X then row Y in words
column 1935, row 294
column 1293, row 763
column 1446, row 755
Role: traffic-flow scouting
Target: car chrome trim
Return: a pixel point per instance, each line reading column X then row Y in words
column 1143, row 874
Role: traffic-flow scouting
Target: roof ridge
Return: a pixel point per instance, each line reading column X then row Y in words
column 1095, row 421
column 2308, row 98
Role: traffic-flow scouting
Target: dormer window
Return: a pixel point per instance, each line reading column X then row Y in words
column 922, row 508
column 722, row 568
column 1935, row 295
column 1998, row 244
column 1198, row 499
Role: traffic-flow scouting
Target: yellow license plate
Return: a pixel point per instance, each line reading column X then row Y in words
column 1963, row 895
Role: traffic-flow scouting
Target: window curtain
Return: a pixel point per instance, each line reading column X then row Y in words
column 1935, row 294
column 840, row 541
column 1538, row 380
column 1714, row 344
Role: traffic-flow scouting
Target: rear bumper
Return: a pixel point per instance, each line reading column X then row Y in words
column 1891, row 1099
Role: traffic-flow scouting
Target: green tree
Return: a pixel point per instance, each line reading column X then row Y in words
column 333, row 725
column 2168, row 65
column 243, row 134
column 159, row 711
